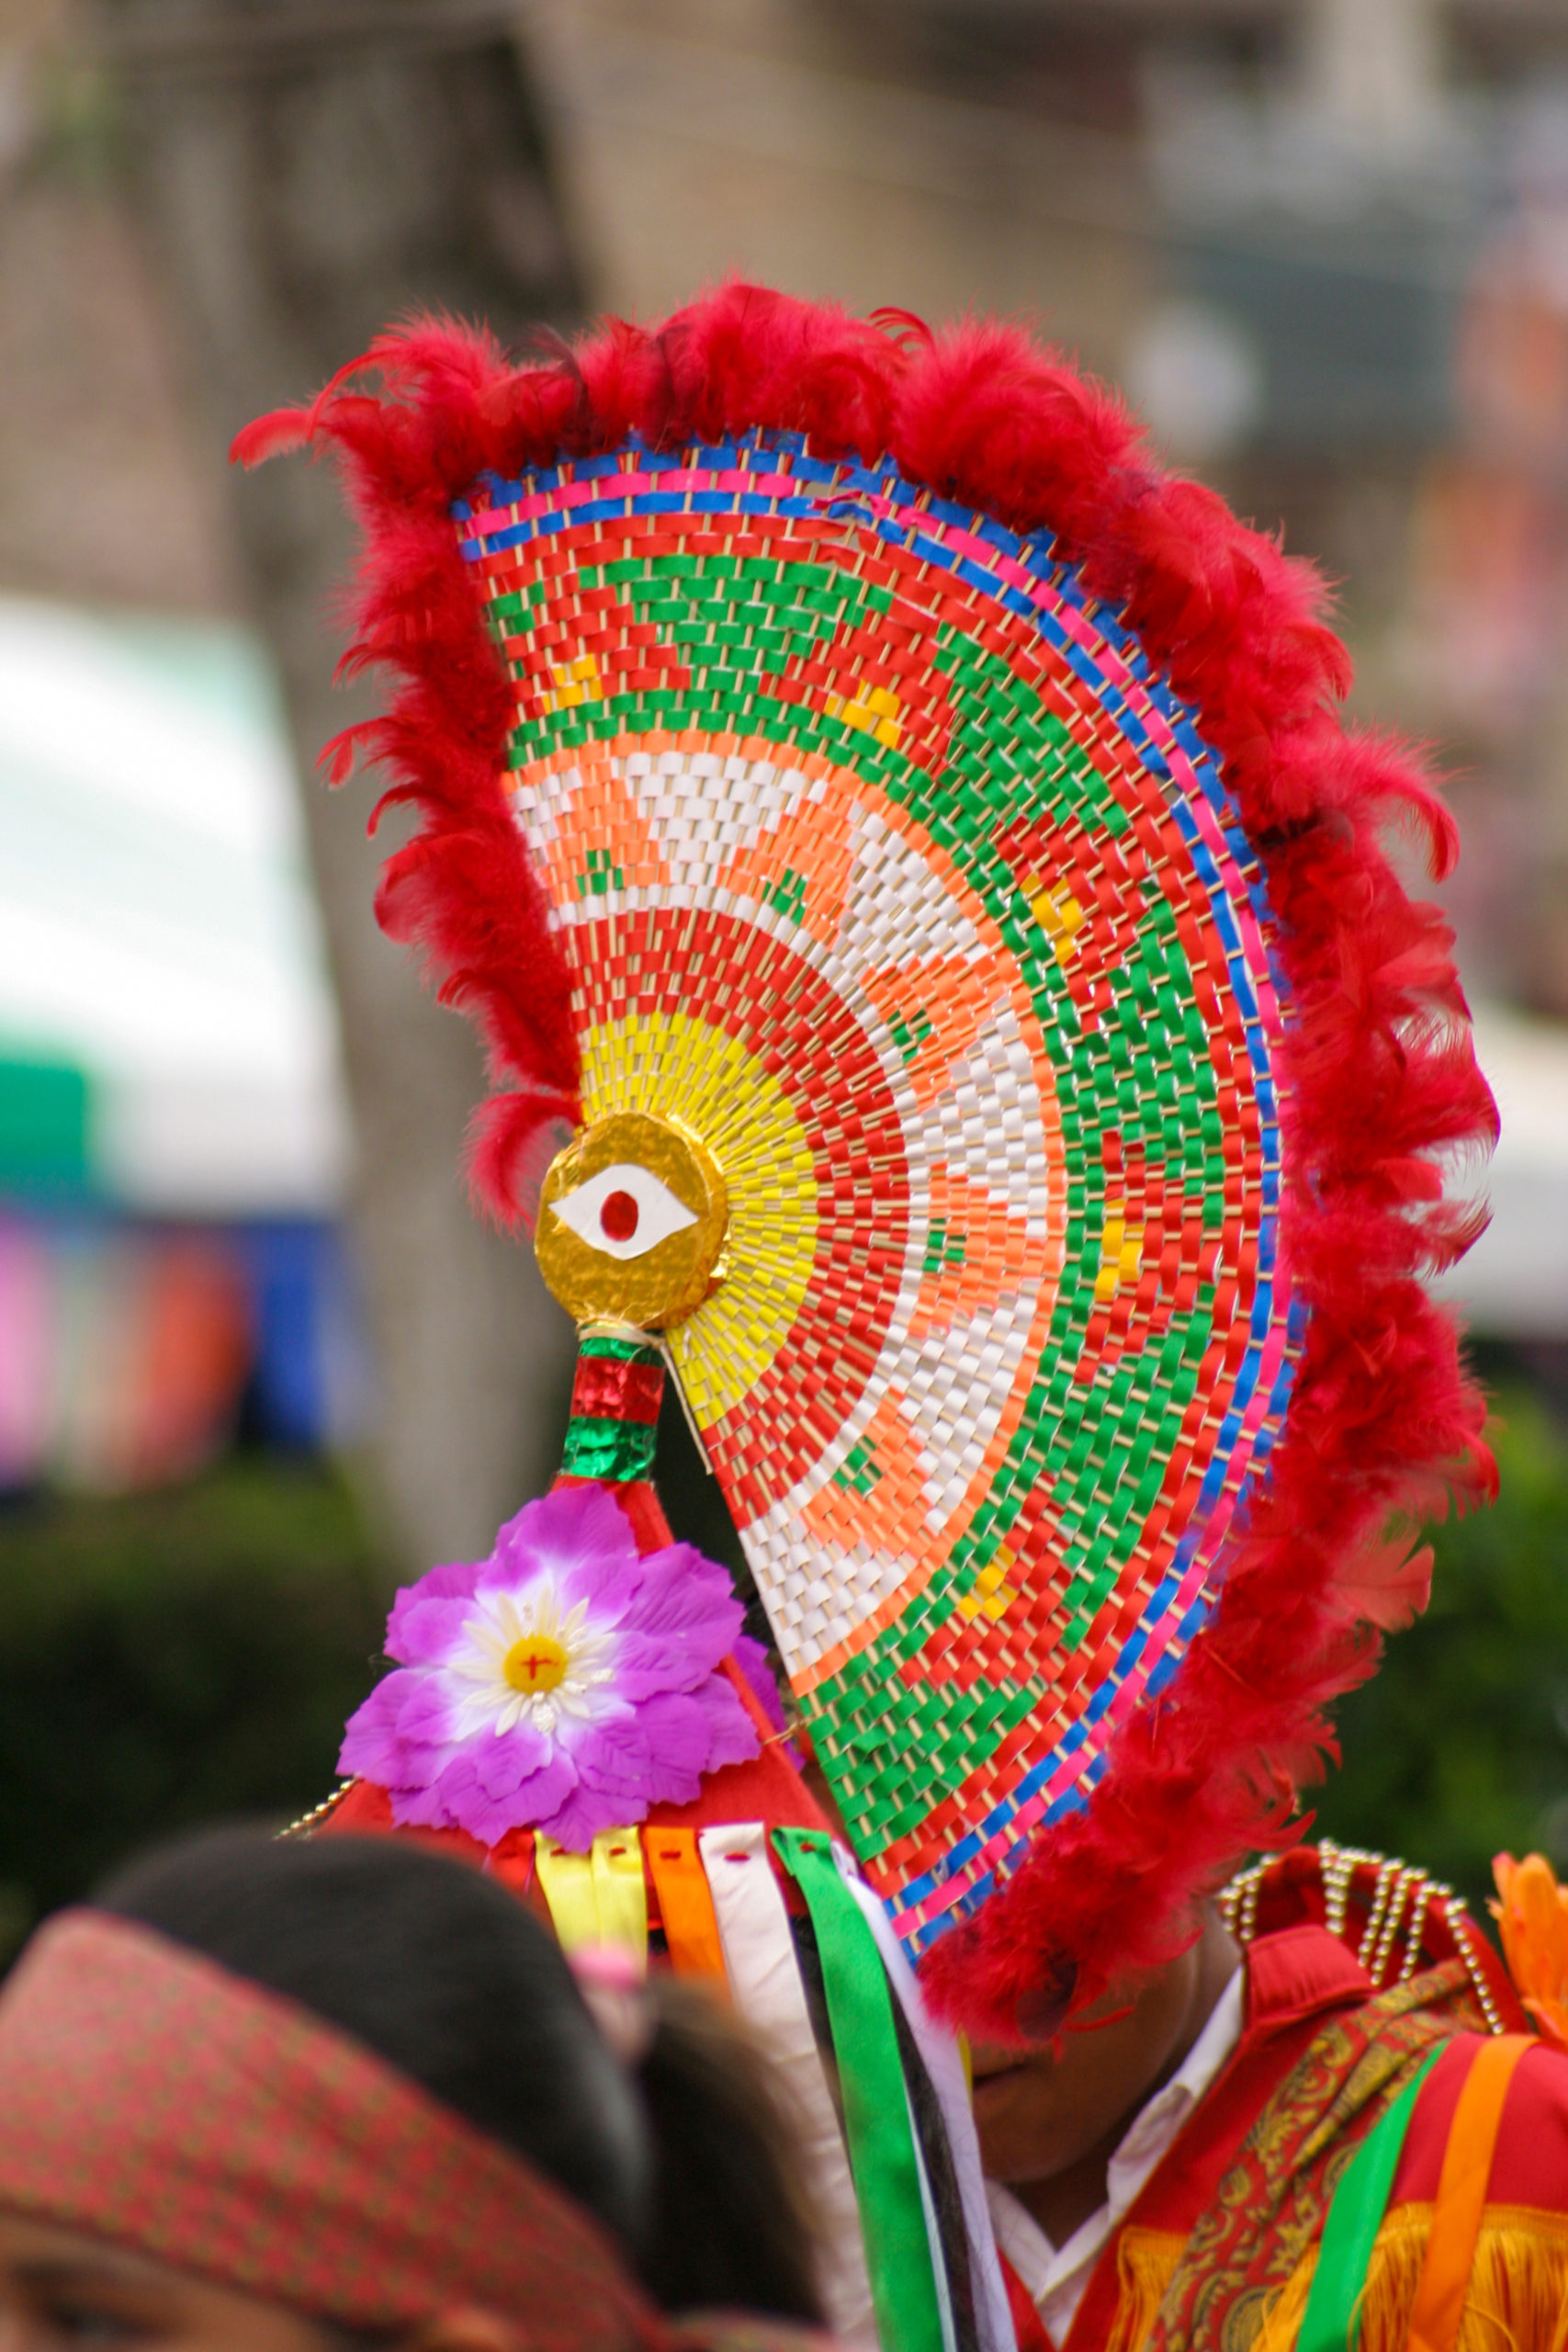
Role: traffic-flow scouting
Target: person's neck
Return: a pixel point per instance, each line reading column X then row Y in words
column 1066, row 2201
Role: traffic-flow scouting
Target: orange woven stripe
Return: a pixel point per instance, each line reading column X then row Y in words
column 684, row 1904
column 1439, row 2307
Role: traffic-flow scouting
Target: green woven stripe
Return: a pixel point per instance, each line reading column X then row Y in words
column 614, row 1451
column 882, row 2157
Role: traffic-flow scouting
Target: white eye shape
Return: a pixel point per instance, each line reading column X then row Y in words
column 623, row 1211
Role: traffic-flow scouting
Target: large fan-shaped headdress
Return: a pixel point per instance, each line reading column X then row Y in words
column 907, row 844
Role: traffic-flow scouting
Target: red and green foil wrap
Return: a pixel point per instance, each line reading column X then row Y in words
column 615, row 1410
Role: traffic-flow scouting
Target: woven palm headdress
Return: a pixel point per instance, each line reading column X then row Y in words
column 904, row 848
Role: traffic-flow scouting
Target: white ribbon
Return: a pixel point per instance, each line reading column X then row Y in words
column 764, row 1978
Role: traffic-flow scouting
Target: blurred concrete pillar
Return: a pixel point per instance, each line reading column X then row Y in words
column 309, row 170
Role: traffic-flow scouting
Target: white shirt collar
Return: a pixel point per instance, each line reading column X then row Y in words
column 1055, row 2278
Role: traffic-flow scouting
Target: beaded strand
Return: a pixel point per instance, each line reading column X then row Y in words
column 1396, row 1886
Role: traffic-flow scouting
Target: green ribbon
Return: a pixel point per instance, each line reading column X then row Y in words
column 1332, row 2319
column 883, row 2156
column 617, row 1451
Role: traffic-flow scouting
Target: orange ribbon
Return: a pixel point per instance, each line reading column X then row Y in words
column 1439, row 2307
column 690, row 1930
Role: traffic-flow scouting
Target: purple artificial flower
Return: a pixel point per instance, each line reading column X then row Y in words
column 566, row 1683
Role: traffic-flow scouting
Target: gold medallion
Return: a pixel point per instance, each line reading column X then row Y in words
column 632, row 1216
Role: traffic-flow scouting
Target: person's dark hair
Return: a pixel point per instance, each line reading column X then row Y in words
column 433, row 1967
column 734, row 2225
column 448, row 1978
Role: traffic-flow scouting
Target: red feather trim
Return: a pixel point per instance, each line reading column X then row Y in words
column 270, row 436
column 1384, row 1423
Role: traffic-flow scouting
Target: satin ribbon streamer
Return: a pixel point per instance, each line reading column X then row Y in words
column 764, row 1977
column 883, row 2155
column 1354, row 2220
column 944, row 2064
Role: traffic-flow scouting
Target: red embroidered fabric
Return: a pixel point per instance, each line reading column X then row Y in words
column 153, row 2099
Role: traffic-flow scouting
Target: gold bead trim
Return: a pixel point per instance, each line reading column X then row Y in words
column 1399, row 1892
column 1460, row 1926
column 308, row 1821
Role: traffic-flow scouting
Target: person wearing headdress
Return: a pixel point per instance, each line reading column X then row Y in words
column 951, row 1009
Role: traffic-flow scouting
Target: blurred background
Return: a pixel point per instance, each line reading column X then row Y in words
column 257, row 1361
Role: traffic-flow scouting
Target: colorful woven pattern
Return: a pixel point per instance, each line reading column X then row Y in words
column 986, row 1068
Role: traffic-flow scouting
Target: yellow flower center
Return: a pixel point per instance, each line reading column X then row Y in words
column 536, row 1663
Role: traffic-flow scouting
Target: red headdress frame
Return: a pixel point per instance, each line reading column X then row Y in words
column 1382, row 1083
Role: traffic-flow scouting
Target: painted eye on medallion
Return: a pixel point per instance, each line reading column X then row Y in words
column 623, row 1211
column 618, row 1241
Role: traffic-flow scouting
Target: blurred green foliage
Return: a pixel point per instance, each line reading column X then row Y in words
column 1459, row 1748
column 169, row 1659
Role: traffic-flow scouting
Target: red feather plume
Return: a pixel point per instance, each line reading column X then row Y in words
column 1381, row 1086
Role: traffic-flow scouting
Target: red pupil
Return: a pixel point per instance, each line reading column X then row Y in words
column 618, row 1215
